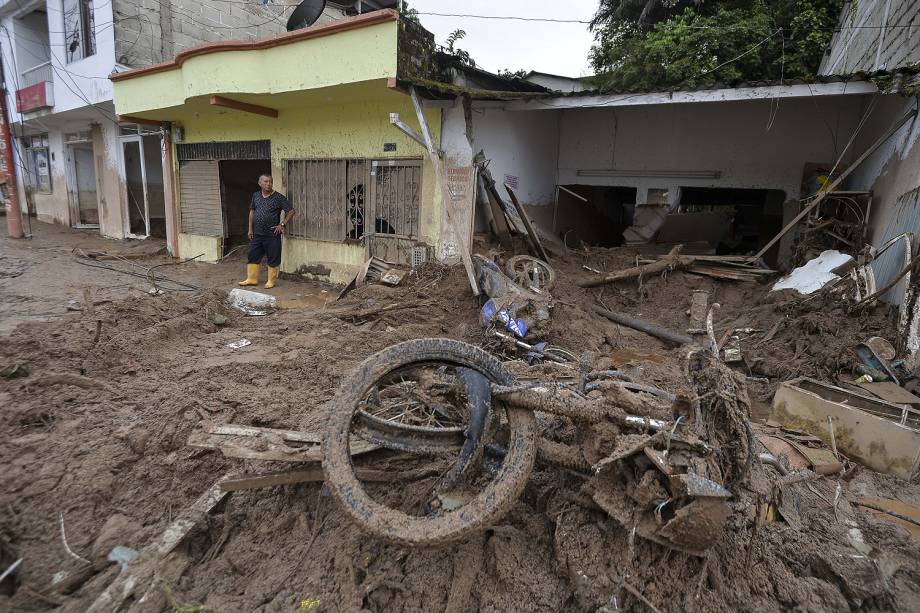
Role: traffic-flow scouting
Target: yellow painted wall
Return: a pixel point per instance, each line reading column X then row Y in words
column 358, row 130
column 209, row 247
column 350, row 56
column 342, row 259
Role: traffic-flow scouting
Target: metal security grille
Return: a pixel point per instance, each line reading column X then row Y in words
column 394, row 202
column 235, row 150
column 199, row 198
column 374, row 200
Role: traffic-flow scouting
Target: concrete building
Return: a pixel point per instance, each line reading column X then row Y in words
column 77, row 163
column 359, row 185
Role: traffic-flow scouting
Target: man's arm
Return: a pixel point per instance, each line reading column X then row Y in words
column 251, row 211
column 289, row 213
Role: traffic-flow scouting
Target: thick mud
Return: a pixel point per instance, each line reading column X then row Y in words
column 95, row 434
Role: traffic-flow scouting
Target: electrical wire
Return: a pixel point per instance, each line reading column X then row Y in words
column 147, row 273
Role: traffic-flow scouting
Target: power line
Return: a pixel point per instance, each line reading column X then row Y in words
column 506, row 17
column 833, row 28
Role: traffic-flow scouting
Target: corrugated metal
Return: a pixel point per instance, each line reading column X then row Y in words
column 234, row 150
column 199, row 198
column 906, row 218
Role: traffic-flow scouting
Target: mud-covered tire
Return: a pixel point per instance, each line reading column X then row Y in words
column 391, row 525
column 549, row 271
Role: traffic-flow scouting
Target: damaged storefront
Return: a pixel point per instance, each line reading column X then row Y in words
column 360, row 187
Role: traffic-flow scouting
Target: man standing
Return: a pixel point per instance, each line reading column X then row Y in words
column 265, row 231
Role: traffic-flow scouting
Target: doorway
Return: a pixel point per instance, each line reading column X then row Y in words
column 142, row 163
column 239, row 180
column 81, row 192
column 752, row 217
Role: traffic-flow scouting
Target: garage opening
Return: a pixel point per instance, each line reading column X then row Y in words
column 216, row 183
column 594, row 215
column 239, row 180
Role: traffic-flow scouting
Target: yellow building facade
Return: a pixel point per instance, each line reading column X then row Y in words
column 313, row 107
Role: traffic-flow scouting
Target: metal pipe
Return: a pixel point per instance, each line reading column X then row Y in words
column 644, row 326
column 772, row 460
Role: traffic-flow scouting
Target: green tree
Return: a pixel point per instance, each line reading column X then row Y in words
column 661, row 43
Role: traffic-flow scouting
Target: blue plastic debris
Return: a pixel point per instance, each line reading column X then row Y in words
column 490, row 311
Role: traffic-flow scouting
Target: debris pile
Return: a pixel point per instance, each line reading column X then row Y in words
column 661, row 476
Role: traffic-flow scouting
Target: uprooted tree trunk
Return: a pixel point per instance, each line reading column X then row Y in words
column 672, row 261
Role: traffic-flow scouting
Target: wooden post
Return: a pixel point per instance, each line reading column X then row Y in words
column 445, row 191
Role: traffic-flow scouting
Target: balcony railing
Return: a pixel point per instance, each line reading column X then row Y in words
column 35, row 88
column 36, row 74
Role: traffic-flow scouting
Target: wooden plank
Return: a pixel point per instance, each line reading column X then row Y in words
column 287, row 435
column 251, row 482
column 531, row 234
column 495, row 214
column 253, row 443
column 315, row 475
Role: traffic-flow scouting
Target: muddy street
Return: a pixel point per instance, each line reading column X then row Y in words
column 97, row 458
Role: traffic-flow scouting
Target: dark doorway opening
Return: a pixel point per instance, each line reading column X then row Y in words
column 597, row 216
column 752, row 216
column 239, row 180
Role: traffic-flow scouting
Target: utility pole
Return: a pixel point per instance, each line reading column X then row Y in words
column 7, row 164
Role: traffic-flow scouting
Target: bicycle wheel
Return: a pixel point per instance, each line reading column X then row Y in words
column 348, row 416
column 531, row 273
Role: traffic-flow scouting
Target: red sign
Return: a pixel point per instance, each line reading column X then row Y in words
column 32, row 97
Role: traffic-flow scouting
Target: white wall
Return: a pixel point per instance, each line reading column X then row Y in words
column 522, row 145
column 85, row 81
column 31, row 40
column 734, row 138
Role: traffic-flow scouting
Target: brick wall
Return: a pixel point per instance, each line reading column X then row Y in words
column 151, row 31
column 875, row 35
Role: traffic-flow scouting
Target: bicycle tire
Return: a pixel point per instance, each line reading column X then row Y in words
column 394, row 526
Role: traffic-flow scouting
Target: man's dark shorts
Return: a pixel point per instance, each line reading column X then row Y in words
column 268, row 246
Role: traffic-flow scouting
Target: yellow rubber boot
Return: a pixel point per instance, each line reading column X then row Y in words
column 252, row 275
column 272, row 276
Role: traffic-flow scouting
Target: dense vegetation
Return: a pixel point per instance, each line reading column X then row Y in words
column 660, row 43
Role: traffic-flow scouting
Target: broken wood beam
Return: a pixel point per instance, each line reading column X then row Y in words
column 494, row 212
column 671, row 261
column 539, row 251
column 843, row 176
column 644, row 326
column 315, row 475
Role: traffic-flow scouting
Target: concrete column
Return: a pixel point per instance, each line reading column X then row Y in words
column 109, row 181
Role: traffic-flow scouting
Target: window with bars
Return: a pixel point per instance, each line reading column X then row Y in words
column 353, row 199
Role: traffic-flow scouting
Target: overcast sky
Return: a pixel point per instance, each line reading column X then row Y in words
column 556, row 48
